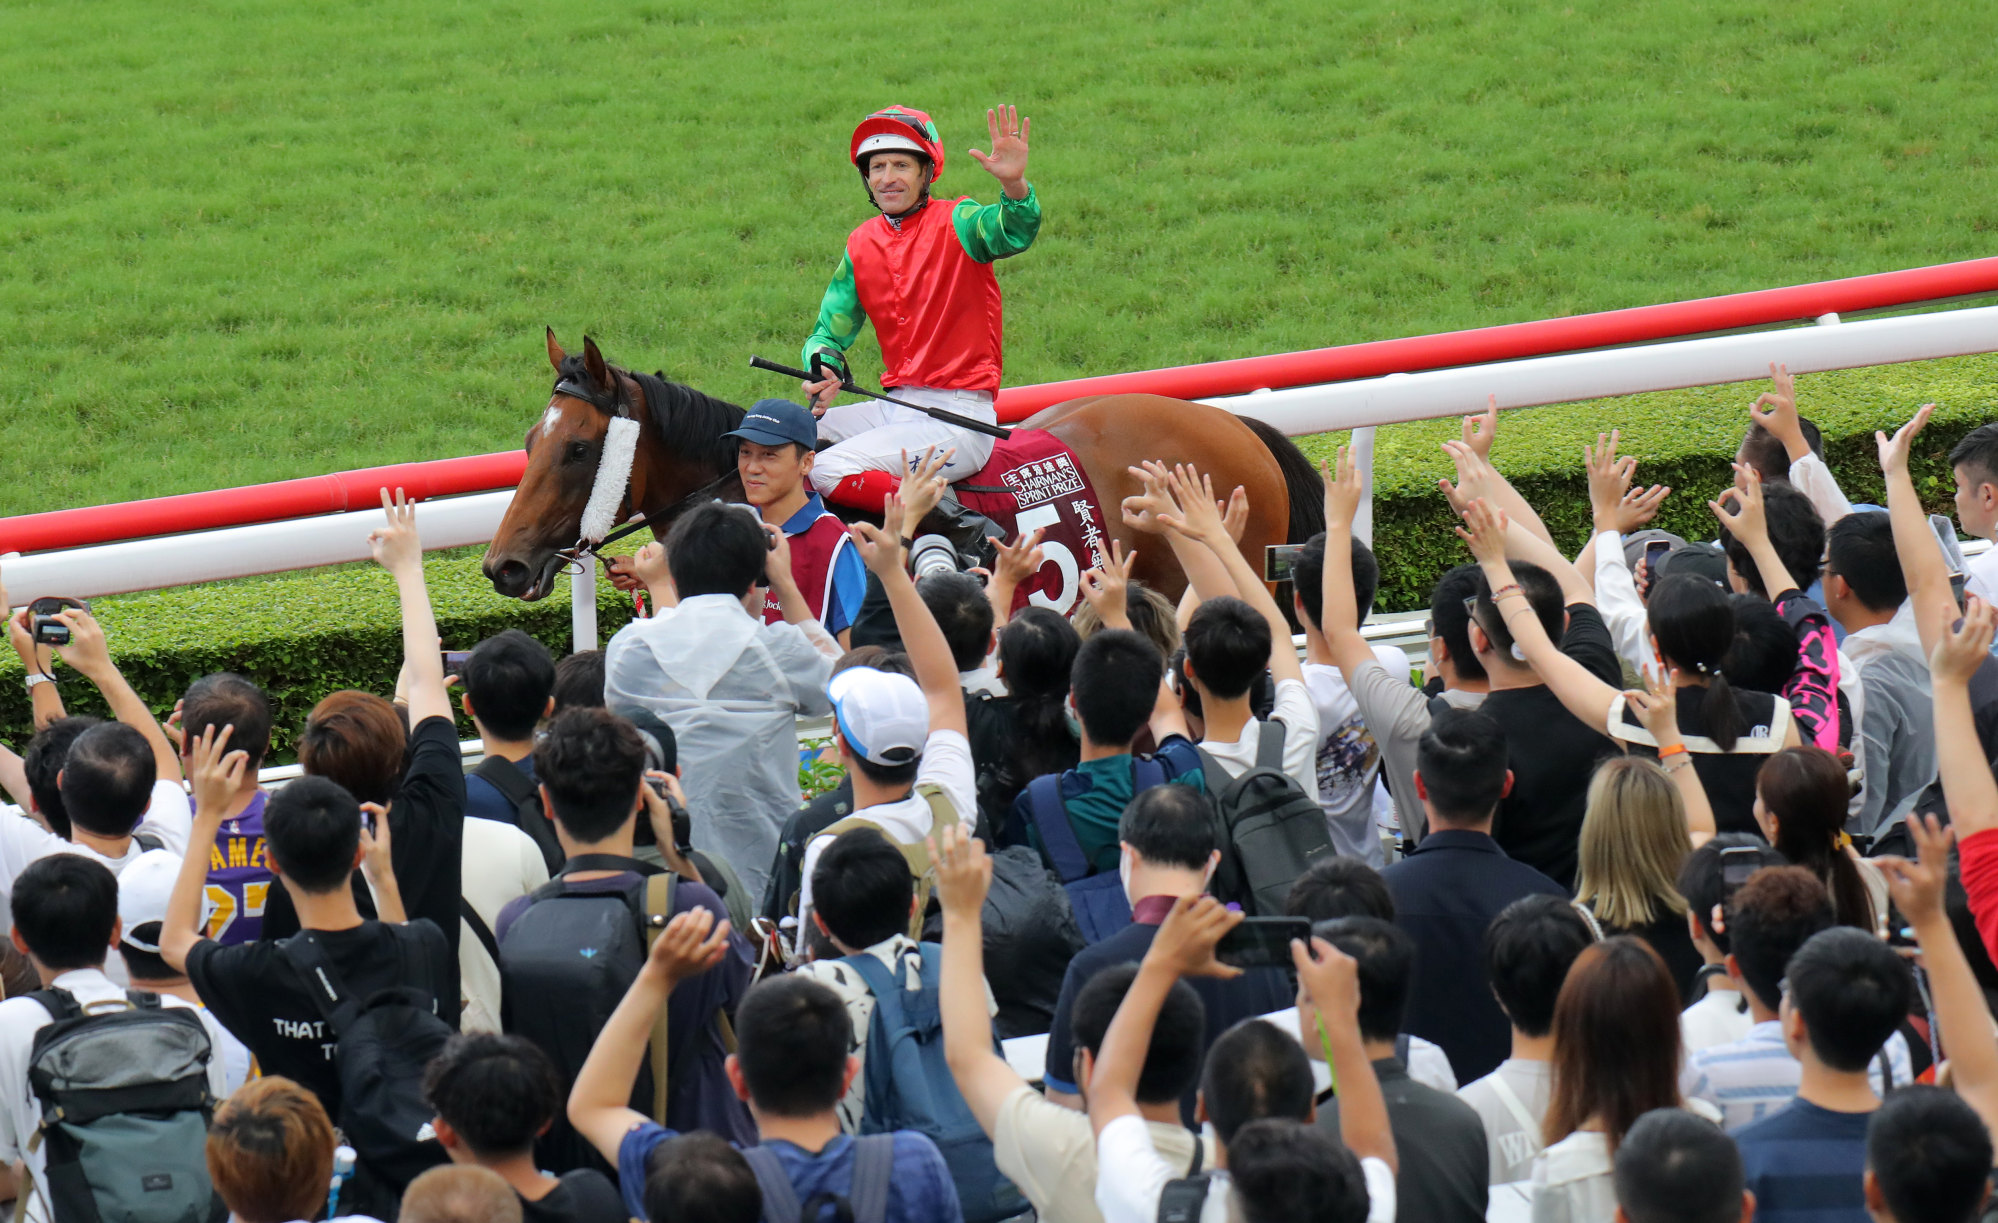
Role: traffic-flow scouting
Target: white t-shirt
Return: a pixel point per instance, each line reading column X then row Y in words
column 1048, row 1152
column 1348, row 762
column 169, row 819
column 1981, row 575
column 1720, row 1018
column 20, row 1112
column 1130, row 1175
column 1512, row 1102
column 1294, row 708
column 946, row 764
column 500, row 864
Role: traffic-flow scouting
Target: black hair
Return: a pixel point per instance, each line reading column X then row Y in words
column 1170, row 826
column 1764, row 654
column 146, row 965
column 1543, row 595
column 579, row 680
column 1461, row 760
column 226, row 699
column 1694, row 626
column 312, row 829
column 1529, row 948
column 1930, row 1154
column 1796, row 532
column 958, row 604
column 1228, row 643
column 717, row 549
column 65, row 907
column 700, row 1178
column 1115, row 681
column 1386, row 957
column 1853, row 991
column 1172, row 1060
column 1675, row 1167
column 1776, row 912
column 792, row 1034
column 107, row 779
column 663, row 750
column 591, row 763
column 1977, row 454
column 1307, row 575
column 1285, row 1171
column 1255, row 1070
column 1339, row 887
column 1700, row 880
column 903, row 774
column 862, row 888
column 1037, row 650
column 509, row 677
column 1860, row 549
column 43, row 762
column 1449, row 621
column 498, row 1092
column 1761, row 450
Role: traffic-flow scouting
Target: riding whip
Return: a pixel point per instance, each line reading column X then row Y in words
column 847, row 384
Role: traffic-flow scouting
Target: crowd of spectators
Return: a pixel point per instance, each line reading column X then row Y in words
column 1662, row 888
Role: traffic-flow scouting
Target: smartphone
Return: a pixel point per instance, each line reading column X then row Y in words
column 1737, row 864
column 1278, row 560
column 1262, row 942
column 454, row 661
column 1654, row 552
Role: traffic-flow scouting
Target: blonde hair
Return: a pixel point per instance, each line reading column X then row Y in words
column 1633, row 843
column 460, row 1193
column 1153, row 617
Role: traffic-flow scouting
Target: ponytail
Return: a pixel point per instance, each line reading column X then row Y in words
column 1694, row 624
column 1722, row 713
column 1806, row 789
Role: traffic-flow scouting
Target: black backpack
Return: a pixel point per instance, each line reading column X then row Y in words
column 125, row 1110
column 1269, row 830
column 1183, row 1198
column 503, row 775
column 382, row 1044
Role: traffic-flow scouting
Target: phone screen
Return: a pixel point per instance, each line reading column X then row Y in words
column 1262, row 942
column 1654, row 552
column 1278, row 560
column 1737, row 865
column 454, row 661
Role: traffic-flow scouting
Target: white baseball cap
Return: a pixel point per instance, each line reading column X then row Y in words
column 882, row 716
column 144, row 887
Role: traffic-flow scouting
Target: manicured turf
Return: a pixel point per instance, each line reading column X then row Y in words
column 241, row 241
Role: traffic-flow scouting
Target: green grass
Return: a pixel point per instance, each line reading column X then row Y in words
column 244, row 241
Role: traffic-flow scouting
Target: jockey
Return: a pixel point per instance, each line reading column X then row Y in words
column 922, row 270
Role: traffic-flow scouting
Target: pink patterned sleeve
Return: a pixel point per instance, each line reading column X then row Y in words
column 1813, row 687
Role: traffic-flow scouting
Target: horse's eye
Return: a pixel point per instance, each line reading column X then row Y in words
column 576, row 452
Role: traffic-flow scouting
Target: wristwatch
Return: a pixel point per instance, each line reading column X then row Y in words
column 36, row 677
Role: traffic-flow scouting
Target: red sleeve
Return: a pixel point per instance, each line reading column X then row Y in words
column 1978, row 855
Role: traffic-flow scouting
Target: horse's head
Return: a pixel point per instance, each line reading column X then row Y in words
column 544, row 519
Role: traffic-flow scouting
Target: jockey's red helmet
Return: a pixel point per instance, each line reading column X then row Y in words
column 901, row 128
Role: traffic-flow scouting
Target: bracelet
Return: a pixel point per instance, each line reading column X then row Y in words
column 1666, row 753
column 1510, row 588
column 1677, row 763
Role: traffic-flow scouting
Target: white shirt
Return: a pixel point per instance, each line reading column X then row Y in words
column 1130, row 1175
column 1720, row 1018
column 732, row 689
column 946, row 764
column 1512, row 1102
column 1622, row 610
column 1299, row 716
column 169, row 818
column 20, row 1112
column 500, row 864
column 1811, row 477
column 1981, row 575
column 1348, row 760
column 1048, row 1152
column 1572, row 1180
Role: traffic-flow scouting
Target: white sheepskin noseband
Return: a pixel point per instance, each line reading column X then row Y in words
column 613, row 477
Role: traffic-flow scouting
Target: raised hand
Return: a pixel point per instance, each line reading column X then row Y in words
column 1185, row 942
column 923, row 485
column 1330, row 977
column 1142, row 512
column 1894, row 450
column 1917, row 886
column 1481, row 431
column 1657, row 706
column 1964, row 648
column 1235, row 515
column 87, row 650
column 691, row 943
column 1020, row 560
column 1776, row 411
column 1476, row 477
column 172, row 730
column 395, row 545
column 964, row 872
column 1638, row 507
column 1748, row 521
column 217, row 773
column 376, row 847
column 1484, row 531
column 1609, row 476
column 1198, row 516
column 1007, row 161
column 1343, row 488
column 1107, row 586
column 881, row 547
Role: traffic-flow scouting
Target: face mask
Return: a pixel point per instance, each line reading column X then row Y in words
column 1074, row 723
column 1124, row 871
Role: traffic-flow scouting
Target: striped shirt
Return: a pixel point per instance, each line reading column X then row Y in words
column 1754, row 1077
column 1806, row 1164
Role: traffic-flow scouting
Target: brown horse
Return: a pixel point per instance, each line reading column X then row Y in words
column 683, row 458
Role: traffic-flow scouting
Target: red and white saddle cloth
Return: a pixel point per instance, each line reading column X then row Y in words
column 1033, row 482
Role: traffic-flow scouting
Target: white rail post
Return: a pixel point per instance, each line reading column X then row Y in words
column 583, row 607
column 1363, row 459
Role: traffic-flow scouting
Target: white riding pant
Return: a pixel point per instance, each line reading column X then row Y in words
column 873, row 435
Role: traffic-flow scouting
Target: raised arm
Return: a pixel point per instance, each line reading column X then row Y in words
column 1199, row 519
column 90, row 656
column 1332, row 978
column 1658, row 708
column 1967, row 783
column 1776, row 411
column 1206, row 575
column 44, row 701
column 600, row 1102
column 929, row 654
column 1106, row 587
column 1339, row 613
column 217, row 776
column 1748, row 522
column 964, row 874
column 1922, row 563
column 1017, row 563
column 1480, row 432
column 397, row 549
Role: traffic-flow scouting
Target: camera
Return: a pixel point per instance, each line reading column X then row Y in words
column 42, row 622
column 932, row 554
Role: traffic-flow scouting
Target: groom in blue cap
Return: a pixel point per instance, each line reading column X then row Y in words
column 775, row 448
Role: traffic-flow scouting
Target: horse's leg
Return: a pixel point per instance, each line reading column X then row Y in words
column 1111, row 433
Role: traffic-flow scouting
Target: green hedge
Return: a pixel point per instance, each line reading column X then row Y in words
column 304, row 635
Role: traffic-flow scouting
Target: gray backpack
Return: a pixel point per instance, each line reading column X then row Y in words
column 1268, row 829
column 125, row 1110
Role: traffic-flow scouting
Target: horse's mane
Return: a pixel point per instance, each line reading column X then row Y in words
column 690, row 422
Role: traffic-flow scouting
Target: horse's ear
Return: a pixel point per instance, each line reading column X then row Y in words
column 594, row 362
column 555, row 353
